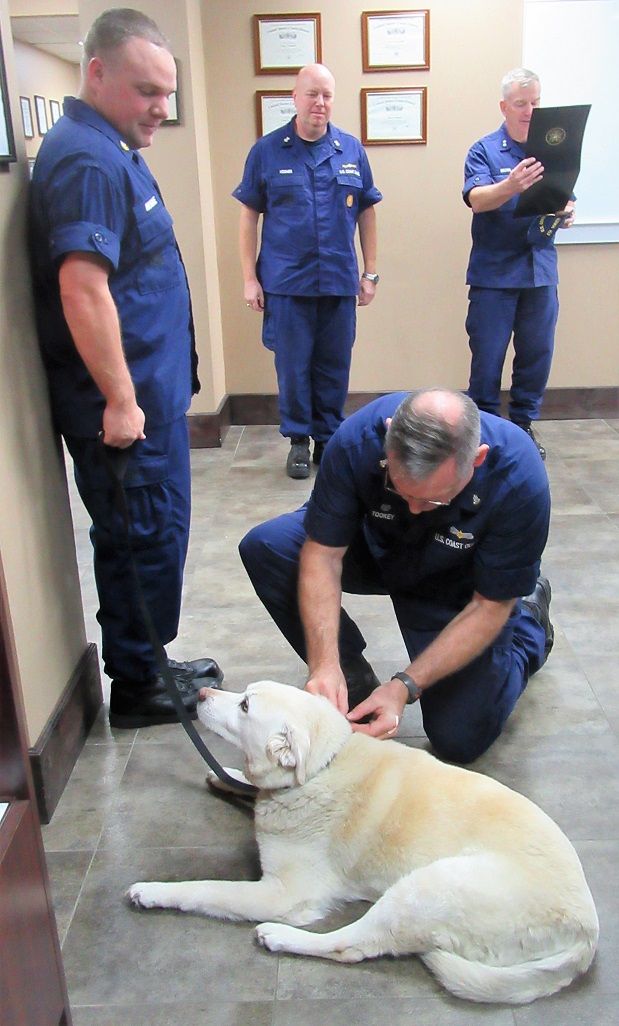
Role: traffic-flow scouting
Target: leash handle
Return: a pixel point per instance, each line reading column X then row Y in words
column 116, row 461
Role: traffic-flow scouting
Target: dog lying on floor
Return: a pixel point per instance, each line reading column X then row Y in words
column 464, row 872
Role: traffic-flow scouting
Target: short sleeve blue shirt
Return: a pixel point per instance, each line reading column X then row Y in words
column 501, row 255
column 91, row 193
column 489, row 539
column 311, row 198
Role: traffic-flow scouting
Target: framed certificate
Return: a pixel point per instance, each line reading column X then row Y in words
column 393, row 116
column 26, row 117
column 273, row 110
column 395, row 40
column 286, row 42
column 7, row 139
column 41, row 109
column 55, row 111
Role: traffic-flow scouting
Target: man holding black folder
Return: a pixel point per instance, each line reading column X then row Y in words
column 512, row 270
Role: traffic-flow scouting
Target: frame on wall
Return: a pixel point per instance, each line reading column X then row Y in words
column 55, row 111
column 274, row 109
column 41, row 112
column 7, row 139
column 394, row 117
column 26, row 117
column 286, row 42
column 174, row 116
column 395, row 40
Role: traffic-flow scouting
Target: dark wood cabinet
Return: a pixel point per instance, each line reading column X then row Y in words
column 32, row 984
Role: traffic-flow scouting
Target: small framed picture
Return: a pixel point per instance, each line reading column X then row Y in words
column 394, row 116
column 286, row 42
column 174, row 117
column 274, row 109
column 26, row 117
column 395, row 40
column 41, row 109
column 55, row 111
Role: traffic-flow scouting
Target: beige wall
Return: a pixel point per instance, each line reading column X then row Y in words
column 36, row 539
column 40, row 74
column 413, row 334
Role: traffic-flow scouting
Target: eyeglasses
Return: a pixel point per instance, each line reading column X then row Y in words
column 388, row 486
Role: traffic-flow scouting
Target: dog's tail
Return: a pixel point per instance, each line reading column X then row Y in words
column 515, row 984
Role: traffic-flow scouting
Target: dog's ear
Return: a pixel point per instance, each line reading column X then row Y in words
column 289, row 748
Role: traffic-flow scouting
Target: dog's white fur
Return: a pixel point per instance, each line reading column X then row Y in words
column 464, row 872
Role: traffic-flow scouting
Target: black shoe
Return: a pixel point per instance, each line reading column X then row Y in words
column 298, row 462
column 538, row 605
column 196, row 672
column 147, row 704
column 529, row 431
column 319, row 448
column 360, row 679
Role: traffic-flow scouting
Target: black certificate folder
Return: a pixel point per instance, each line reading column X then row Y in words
column 555, row 139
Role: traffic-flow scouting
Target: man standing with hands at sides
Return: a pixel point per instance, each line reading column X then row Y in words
column 512, row 270
column 116, row 332
column 312, row 184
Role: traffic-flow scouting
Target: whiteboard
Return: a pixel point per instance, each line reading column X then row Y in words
column 573, row 45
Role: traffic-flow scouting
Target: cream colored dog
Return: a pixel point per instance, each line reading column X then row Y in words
column 467, row 874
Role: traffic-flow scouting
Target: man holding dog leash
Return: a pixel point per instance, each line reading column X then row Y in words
column 116, row 332
column 445, row 509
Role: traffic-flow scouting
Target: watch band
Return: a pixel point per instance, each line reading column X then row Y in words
column 371, row 277
column 414, row 691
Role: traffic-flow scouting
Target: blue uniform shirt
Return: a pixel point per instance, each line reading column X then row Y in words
column 502, row 257
column 91, row 193
column 311, row 197
column 489, row 539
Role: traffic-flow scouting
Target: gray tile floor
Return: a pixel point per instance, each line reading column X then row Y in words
column 136, row 806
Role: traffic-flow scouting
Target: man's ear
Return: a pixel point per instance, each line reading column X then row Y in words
column 289, row 748
column 481, row 455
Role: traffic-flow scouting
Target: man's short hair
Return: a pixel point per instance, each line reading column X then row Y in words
column 115, row 27
column 421, row 440
column 517, row 76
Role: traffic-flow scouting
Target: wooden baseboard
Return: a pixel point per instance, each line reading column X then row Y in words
column 209, row 430
column 54, row 755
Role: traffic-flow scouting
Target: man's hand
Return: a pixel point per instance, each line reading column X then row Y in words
column 367, row 291
column 332, row 685
column 386, row 706
column 525, row 174
column 123, row 424
column 568, row 220
column 254, row 296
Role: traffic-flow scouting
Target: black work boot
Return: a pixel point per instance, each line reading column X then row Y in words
column 147, row 703
column 538, row 605
column 529, row 431
column 360, row 679
column 298, row 462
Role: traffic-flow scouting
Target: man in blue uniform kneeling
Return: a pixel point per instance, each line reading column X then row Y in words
column 445, row 509
column 313, row 185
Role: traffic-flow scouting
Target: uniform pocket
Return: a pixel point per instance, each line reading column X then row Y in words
column 158, row 262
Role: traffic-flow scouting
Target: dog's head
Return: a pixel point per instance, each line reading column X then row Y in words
column 286, row 735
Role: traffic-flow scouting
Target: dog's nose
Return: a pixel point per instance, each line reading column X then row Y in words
column 204, row 693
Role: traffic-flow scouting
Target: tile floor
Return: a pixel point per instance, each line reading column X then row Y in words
column 136, row 806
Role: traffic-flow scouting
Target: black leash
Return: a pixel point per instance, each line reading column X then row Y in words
column 115, row 461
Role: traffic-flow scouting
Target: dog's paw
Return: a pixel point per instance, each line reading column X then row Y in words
column 142, row 895
column 275, row 936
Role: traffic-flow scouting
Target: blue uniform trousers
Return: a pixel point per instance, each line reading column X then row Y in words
column 312, row 339
column 493, row 315
column 463, row 713
column 157, row 489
